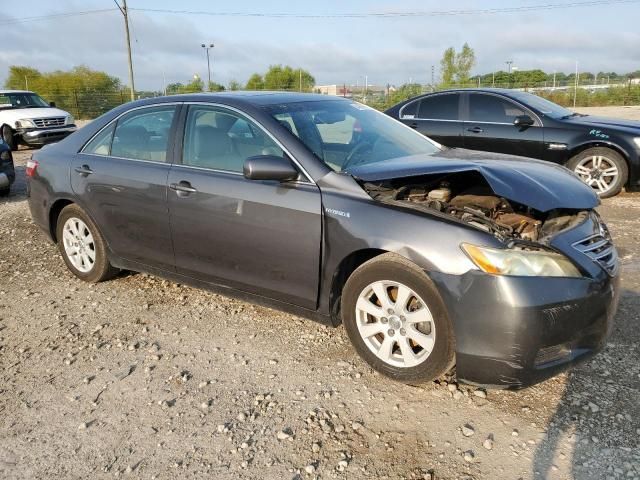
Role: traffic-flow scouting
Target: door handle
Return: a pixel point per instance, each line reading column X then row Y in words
column 84, row 170
column 413, row 124
column 182, row 188
column 475, row 130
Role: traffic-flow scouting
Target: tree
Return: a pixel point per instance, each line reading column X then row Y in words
column 287, row 78
column 234, row 85
column 22, row 77
column 255, row 82
column 456, row 66
column 465, row 61
column 216, row 87
column 448, row 66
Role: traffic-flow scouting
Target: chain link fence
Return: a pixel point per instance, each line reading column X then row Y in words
column 84, row 104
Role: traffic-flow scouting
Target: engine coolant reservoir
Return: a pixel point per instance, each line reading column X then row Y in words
column 442, row 194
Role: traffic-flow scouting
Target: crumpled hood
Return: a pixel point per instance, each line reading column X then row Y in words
column 604, row 122
column 534, row 183
column 10, row 115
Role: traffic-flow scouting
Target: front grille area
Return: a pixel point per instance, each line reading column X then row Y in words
column 49, row 122
column 599, row 249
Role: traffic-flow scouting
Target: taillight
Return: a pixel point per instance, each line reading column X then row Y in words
column 32, row 166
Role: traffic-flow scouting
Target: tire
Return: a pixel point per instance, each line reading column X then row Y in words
column 418, row 352
column 4, row 192
column 9, row 137
column 605, row 170
column 90, row 262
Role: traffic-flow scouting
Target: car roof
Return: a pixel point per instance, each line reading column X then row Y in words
column 15, row 91
column 257, row 98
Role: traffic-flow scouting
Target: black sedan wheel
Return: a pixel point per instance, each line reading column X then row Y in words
column 396, row 320
column 603, row 169
column 82, row 246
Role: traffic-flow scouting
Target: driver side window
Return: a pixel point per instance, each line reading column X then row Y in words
column 220, row 139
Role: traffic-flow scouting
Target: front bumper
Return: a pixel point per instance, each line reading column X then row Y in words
column 42, row 136
column 512, row 332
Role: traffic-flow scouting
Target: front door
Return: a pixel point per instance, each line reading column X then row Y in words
column 261, row 237
column 489, row 127
column 120, row 177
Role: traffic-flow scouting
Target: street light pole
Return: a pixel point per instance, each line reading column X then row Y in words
column 208, row 64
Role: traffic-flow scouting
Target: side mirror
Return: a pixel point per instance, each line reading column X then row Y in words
column 52, row 104
column 523, row 121
column 269, row 167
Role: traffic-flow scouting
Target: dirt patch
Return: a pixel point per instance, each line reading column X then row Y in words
column 145, row 378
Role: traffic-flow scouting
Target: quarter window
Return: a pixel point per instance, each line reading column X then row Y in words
column 144, row 134
column 101, row 143
column 220, row 139
column 439, row 107
column 410, row 110
column 489, row 108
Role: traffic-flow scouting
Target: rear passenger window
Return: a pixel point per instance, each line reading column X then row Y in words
column 439, row 107
column 143, row 134
column 410, row 110
column 220, row 139
column 489, row 108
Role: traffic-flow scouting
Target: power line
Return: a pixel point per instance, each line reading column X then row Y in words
column 432, row 13
column 346, row 15
column 54, row 16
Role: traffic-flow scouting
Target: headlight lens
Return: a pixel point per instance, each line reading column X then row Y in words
column 70, row 120
column 637, row 141
column 25, row 123
column 525, row 263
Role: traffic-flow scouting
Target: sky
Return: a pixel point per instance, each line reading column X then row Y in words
column 395, row 50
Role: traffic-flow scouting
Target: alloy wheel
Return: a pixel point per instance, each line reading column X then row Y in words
column 79, row 245
column 395, row 323
column 599, row 172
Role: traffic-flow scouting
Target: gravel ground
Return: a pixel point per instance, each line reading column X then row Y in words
column 144, row 378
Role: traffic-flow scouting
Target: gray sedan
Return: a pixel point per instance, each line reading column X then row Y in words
column 431, row 258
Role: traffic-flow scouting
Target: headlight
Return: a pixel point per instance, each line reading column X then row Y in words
column 25, row 123
column 70, row 120
column 637, row 141
column 526, row 263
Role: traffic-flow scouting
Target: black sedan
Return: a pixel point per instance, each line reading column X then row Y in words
column 603, row 152
column 334, row 211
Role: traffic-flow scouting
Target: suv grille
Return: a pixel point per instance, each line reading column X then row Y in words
column 600, row 250
column 49, row 122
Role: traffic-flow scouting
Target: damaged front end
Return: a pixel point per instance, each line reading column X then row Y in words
column 466, row 197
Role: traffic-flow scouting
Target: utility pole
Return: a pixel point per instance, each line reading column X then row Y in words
column 554, row 79
column 493, row 79
column 300, row 72
column 125, row 14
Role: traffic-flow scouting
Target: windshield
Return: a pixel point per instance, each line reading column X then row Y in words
column 344, row 134
column 21, row 100
column 543, row 105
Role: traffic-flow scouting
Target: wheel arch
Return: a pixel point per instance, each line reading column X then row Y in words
column 54, row 214
column 341, row 274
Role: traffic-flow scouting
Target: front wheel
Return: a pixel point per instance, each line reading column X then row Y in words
column 397, row 321
column 603, row 169
column 9, row 137
column 82, row 246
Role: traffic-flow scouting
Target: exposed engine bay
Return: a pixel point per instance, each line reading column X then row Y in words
column 468, row 198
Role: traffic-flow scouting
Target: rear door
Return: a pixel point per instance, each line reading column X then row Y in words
column 120, row 177
column 489, row 127
column 261, row 237
column 437, row 116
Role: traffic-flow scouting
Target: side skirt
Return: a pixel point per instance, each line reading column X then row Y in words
column 222, row 290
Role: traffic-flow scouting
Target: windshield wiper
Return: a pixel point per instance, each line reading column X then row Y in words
column 571, row 115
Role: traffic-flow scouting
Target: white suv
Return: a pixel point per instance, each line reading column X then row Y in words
column 28, row 119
